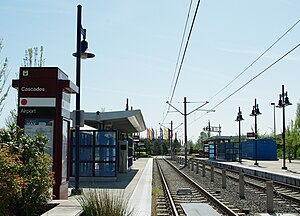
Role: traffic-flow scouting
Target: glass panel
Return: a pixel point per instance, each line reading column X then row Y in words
column 106, row 138
column 86, row 138
column 86, row 153
column 86, row 169
column 105, row 153
column 72, row 169
column 105, row 169
column 65, row 142
column 73, row 150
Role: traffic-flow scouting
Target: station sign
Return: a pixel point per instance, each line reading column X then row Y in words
column 250, row 135
column 44, row 109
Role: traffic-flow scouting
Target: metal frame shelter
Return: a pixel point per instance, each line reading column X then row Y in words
column 106, row 148
column 223, row 148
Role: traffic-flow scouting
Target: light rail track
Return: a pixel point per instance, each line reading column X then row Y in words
column 286, row 197
column 180, row 189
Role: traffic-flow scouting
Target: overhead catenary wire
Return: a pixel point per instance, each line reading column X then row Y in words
column 252, row 63
column 178, row 57
column 184, row 52
column 245, row 84
column 185, row 49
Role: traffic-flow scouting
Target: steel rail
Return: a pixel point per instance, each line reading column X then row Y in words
column 166, row 188
column 210, row 197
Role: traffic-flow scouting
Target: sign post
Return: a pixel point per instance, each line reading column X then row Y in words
column 44, row 109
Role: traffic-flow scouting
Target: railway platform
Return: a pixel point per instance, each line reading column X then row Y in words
column 270, row 169
column 135, row 186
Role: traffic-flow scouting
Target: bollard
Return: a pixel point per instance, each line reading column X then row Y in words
column 203, row 169
column 197, row 167
column 223, row 178
column 192, row 164
column 242, row 185
column 188, row 163
column 269, row 191
column 212, row 172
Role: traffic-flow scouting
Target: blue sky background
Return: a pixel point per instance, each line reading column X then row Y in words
column 136, row 45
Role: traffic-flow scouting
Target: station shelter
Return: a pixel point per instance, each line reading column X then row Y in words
column 226, row 148
column 222, row 148
column 106, row 149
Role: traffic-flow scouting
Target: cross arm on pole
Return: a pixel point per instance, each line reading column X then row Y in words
column 174, row 108
column 198, row 108
column 178, row 126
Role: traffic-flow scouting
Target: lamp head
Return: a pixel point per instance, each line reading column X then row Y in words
column 257, row 110
column 239, row 118
column 253, row 111
column 84, row 51
column 286, row 101
column 280, row 104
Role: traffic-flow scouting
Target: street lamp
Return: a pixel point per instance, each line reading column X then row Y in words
column 274, row 105
column 239, row 118
column 255, row 112
column 82, row 52
column 282, row 103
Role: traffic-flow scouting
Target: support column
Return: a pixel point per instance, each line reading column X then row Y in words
column 223, row 178
column 203, row 169
column 242, row 185
column 212, row 173
column 269, row 191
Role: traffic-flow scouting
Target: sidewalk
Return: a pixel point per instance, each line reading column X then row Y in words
column 132, row 185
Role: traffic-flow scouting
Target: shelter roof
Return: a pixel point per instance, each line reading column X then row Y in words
column 124, row 121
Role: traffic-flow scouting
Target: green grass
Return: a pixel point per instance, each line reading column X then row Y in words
column 157, row 191
column 102, row 203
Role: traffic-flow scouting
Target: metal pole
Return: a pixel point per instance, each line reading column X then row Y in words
column 283, row 129
column 77, row 124
column 185, row 132
column 171, row 139
column 255, row 125
column 240, row 146
column 274, row 122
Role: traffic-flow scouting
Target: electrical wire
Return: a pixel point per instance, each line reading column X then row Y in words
column 184, row 52
column 178, row 57
column 185, row 49
column 255, row 60
column 245, row 84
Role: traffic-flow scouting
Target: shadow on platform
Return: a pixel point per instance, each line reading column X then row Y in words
column 123, row 180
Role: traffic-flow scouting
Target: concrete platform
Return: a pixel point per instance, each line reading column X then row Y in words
column 135, row 186
column 268, row 169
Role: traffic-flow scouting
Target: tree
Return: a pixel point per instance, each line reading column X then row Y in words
column 3, row 78
column 34, row 57
column 176, row 146
column 11, row 120
column 199, row 144
column 293, row 135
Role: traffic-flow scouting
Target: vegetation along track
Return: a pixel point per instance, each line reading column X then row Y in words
column 177, row 188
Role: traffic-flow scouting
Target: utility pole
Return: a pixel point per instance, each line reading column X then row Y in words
column 185, row 114
column 171, row 139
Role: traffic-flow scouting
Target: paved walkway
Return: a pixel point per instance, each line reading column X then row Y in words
column 135, row 186
column 293, row 168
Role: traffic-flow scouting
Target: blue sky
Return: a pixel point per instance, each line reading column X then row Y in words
column 136, row 45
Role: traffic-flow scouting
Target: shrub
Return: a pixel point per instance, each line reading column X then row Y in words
column 102, row 203
column 25, row 176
